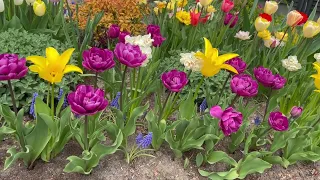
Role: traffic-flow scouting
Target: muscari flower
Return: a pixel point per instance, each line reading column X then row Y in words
column 65, row 102
column 32, row 106
column 144, row 141
column 115, row 102
column 203, row 106
column 257, row 121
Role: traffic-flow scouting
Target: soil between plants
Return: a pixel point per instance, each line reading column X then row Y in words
column 163, row 167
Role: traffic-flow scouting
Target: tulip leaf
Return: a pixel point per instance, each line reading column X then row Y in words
column 231, row 174
column 220, row 156
column 252, row 164
column 187, row 107
column 130, row 126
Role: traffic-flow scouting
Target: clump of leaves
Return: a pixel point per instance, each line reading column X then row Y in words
column 25, row 44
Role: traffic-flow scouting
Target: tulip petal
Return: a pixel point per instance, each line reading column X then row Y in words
column 229, row 68
column 52, row 55
column 72, row 68
column 38, row 60
column 223, row 58
column 65, row 56
column 35, row 68
column 209, row 51
column 317, row 66
column 216, row 112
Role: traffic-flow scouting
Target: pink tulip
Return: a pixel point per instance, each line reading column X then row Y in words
column 227, row 5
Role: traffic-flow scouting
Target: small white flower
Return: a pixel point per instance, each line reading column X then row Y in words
column 243, row 35
column 317, row 56
column 273, row 42
column 291, row 63
column 190, row 61
column 144, row 42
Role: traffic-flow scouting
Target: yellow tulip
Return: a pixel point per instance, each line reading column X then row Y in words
column 293, row 18
column 205, row 2
column 317, row 76
column 280, row 35
column 310, row 29
column 318, row 21
column 270, row 7
column 211, row 9
column 161, row 4
column 265, row 35
column 39, row 8
column 212, row 62
column 261, row 24
column 53, row 67
column 171, row 5
column 182, row 3
column 156, row 10
column 184, row 17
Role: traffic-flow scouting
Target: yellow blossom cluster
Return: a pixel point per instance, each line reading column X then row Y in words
column 128, row 14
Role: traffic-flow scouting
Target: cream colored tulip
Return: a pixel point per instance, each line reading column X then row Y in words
column 261, row 24
column 39, row 8
column 1, row 6
column 293, row 18
column 311, row 29
column 18, row 2
column 30, row 2
column 271, row 7
column 205, row 2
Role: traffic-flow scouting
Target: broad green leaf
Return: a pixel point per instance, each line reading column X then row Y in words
column 252, row 164
column 14, row 156
column 220, row 156
column 199, row 159
column 187, row 108
column 130, row 127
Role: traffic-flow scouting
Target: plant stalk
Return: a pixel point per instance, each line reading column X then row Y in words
column 12, row 97
column 122, row 86
column 313, row 125
column 52, row 101
column 268, row 101
column 164, row 106
column 86, row 127
column 224, row 85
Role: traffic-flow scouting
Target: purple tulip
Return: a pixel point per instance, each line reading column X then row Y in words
column 264, row 76
column 238, row 64
column 122, row 36
column 11, row 67
column 174, row 80
column 129, row 55
column 87, row 101
column 278, row 121
column 230, row 119
column 153, row 29
column 114, row 31
column 98, row 60
column 230, row 17
column 157, row 40
column 296, row 111
column 278, row 82
column 244, row 85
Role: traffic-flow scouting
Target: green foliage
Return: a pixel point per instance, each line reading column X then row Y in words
column 26, row 44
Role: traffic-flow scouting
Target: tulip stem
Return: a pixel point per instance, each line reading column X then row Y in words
column 122, row 86
column 52, row 101
column 313, row 125
column 235, row 99
column 96, row 80
column 164, row 106
column 268, row 101
column 198, row 88
column 12, row 97
column 224, row 85
column 86, row 140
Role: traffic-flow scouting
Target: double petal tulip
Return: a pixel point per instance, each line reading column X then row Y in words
column 87, row 101
column 317, row 76
column 39, row 8
column 261, row 24
column 293, row 18
column 129, row 55
column 227, row 5
column 98, row 60
column 53, row 67
column 231, row 19
column 311, row 29
column 244, row 85
column 122, row 36
column 265, row 34
column 238, row 64
column 296, row 111
column 174, row 80
column 278, row 121
column 11, row 67
column 212, row 62
column 113, row 31
column 270, row 7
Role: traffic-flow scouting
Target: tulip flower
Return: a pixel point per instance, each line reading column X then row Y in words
column 30, row 2
column 311, row 29
column 114, row 31
column 265, row 34
column 243, row 85
column 205, row 2
column 39, row 8
column 211, row 9
column 11, row 67
column 296, row 111
column 293, row 18
column 98, row 60
column 212, row 62
column 317, row 76
column 122, row 36
column 53, row 67
column 227, row 5
column 238, row 64
column 1, row 6
column 281, row 35
column 18, row 2
column 262, row 22
column 230, row 17
column 129, row 55
column 174, row 80
column 270, row 7
column 278, row 121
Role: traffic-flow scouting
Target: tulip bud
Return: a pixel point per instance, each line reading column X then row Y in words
column 265, row 34
column 162, row 125
column 205, row 2
column 293, row 18
column 296, row 111
column 1, row 6
column 18, row 2
column 227, row 5
column 39, row 8
column 270, row 7
column 261, row 24
column 30, row 2
column 211, row 9
column 310, row 29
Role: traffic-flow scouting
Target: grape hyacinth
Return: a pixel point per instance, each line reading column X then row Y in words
column 115, row 102
column 32, row 107
column 65, row 103
column 257, row 121
column 203, row 106
column 145, row 141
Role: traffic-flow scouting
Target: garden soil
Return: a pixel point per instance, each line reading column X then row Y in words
column 162, row 167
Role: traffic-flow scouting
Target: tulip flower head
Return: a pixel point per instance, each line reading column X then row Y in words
column 182, row 3
column 184, row 17
column 296, row 111
column 268, row 79
column 281, row 35
column 243, row 35
column 1, row 6
column 212, row 62
column 304, row 18
column 265, row 34
column 122, row 36
column 227, row 5
column 243, row 85
column 11, row 67
column 53, row 67
column 293, row 18
column 129, row 55
column 238, row 64
column 205, row 2
column 291, row 63
column 98, row 60
column 231, row 19
column 39, row 8
column 311, row 29
column 270, row 7
column 262, row 22
column 317, row 76
column 278, row 121
column 18, row 2
column 114, row 31
column 174, row 80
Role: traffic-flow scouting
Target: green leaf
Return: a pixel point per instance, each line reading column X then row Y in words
column 186, row 163
column 187, row 107
column 252, row 164
column 15, row 23
column 60, row 103
column 220, row 156
column 6, row 130
column 130, row 127
column 231, row 174
column 14, row 156
column 246, row 20
column 199, row 159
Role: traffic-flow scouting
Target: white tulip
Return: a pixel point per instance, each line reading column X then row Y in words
column 291, row 63
column 30, row 2
column 191, row 62
column 18, row 2
column 1, row 6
